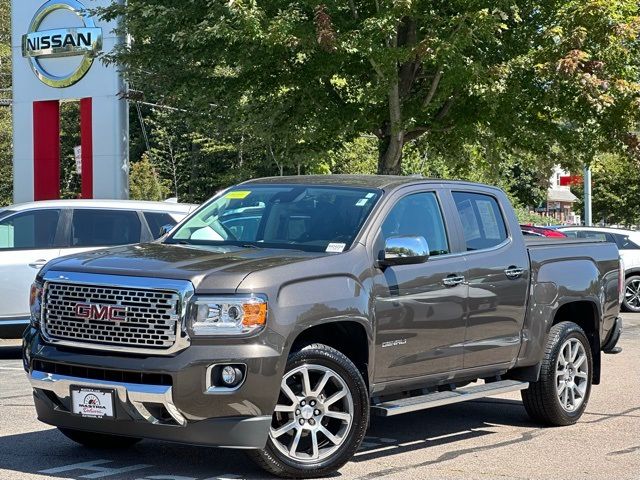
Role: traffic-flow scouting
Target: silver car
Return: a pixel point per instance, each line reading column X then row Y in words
column 31, row 234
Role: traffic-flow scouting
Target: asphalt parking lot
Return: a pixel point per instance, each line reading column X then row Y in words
column 491, row 438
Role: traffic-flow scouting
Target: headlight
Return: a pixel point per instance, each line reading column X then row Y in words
column 35, row 303
column 228, row 315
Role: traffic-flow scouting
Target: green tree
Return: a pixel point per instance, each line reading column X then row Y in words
column 302, row 77
column 615, row 190
column 145, row 183
column 6, row 129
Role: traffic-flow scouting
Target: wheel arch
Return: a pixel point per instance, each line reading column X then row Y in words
column 585, row 314
column 352, row 337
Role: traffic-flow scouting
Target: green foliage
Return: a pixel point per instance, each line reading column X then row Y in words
column 300, row 78
column 145, row 183
column 615, row 190
column 69, row 138
column 6, row 145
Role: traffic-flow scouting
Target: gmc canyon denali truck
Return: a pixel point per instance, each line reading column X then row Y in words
column 285, row 311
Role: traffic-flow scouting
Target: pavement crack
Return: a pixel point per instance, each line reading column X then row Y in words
column 625, row 451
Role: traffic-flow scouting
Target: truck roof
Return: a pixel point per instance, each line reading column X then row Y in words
column 363, row 181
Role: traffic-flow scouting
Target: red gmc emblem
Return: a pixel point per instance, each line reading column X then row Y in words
column 101, row 312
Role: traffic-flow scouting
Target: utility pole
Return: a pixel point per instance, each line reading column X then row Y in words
column 587, row 195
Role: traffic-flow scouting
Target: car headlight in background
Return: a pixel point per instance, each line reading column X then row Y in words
column 234, row 315
column 35, row 304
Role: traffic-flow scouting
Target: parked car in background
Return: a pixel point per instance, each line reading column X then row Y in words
column 531, row 230
column 31, row 234
column 628, row 242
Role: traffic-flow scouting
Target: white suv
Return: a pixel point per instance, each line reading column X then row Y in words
column 628, row 242
column 31, row 234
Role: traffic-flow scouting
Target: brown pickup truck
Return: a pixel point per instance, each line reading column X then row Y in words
column 285, row 311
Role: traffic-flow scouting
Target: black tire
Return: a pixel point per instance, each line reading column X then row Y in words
column 631, row 282
column 98, row 440
column 541, row 399
column 275, row 462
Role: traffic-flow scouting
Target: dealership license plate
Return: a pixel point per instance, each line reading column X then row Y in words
column 92, row 402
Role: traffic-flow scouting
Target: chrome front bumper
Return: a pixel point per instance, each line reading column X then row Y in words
column 134, row 398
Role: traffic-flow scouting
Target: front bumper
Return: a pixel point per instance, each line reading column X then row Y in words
column 182, row 409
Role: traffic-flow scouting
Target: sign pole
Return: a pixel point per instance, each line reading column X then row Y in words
column 587, row 195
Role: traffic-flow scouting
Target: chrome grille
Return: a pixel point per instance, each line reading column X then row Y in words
column 151, row 319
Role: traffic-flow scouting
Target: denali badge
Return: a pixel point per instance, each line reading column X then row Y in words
column 101, row 312
column 394, row 343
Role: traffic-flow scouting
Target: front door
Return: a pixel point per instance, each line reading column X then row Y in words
column 498, row 276
column 27, row 242
column 419, row 309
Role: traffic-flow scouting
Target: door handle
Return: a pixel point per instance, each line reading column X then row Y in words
column 513, row 272
column 38, row 264
column 453, row 280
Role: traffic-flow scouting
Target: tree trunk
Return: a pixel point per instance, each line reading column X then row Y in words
column 392, row 141
column 390, row 155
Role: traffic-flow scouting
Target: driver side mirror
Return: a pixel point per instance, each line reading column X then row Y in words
column 404, row 250
column 166, row 229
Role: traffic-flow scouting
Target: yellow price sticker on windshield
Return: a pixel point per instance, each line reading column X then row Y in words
column 238, row 194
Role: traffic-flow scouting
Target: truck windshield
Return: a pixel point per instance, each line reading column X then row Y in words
column 299, row 217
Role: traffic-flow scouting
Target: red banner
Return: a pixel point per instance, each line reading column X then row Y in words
column 570, row 180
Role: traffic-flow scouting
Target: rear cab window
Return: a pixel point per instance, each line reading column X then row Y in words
column 482, row 221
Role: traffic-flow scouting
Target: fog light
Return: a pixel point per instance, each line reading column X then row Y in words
column 231, row 376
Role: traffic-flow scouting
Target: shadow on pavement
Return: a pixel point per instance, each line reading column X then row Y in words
column 40, row 452
column 10, row 352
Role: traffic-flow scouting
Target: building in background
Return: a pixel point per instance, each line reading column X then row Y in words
column 560, row 199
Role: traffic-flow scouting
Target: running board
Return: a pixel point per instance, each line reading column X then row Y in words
column 437, row 399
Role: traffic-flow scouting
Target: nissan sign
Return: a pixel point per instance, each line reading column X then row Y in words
column 85, row 41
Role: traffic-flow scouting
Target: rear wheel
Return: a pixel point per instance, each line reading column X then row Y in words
column 631, row 301
column 98, row 440
column 321, row 416
column 561, row 394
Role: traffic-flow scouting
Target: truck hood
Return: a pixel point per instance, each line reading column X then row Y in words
column 210, row 269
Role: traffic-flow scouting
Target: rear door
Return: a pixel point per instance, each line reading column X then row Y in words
column 497, row 274
column 27, row 241
column 419, row 309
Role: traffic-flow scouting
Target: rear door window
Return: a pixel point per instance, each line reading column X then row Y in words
column 102, row 228
column 29, row 230
column 482, row 221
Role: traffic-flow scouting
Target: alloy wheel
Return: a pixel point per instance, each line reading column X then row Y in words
column 632, row 294
column 314, row 414
column 572, row 375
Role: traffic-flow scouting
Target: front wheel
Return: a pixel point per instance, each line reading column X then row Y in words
column 320, row 418
column 560, row 395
